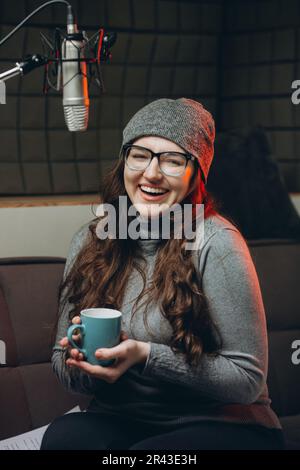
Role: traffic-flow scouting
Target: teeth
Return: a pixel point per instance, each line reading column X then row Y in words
column 153, row 190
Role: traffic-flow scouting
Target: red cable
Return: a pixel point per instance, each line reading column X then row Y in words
column 100, row 45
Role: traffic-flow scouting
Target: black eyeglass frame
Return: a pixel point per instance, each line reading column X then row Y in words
column 188, row 156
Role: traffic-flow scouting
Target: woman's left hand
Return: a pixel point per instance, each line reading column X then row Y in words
column 127, row 353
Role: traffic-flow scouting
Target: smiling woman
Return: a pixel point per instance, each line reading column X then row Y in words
column 190, row 369
column 157, row 170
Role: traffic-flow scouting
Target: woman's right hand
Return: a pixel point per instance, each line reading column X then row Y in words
column 64, row 342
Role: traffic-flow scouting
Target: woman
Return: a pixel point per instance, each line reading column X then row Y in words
column 191, row 366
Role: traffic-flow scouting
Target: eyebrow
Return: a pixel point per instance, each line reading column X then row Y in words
column 163, row 151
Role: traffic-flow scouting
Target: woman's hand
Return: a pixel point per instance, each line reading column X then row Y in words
column 64, row 342
column 126, row 354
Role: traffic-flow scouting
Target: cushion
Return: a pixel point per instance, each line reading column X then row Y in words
column 30, row 394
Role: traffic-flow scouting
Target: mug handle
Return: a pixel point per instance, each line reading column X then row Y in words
column 71, row 329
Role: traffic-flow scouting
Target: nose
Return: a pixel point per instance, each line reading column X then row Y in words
column 153, row 170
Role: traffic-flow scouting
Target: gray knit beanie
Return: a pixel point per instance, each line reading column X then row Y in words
column 184, row 121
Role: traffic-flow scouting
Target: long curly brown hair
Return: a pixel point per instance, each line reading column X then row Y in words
column 99, row 275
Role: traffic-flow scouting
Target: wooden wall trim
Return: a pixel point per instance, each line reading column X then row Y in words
column 40, row 201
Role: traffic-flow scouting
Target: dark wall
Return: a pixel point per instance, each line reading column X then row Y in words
column 260, row 60
column 164, row 48
column 239, row 57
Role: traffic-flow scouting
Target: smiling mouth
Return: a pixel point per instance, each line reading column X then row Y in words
column 153, row 191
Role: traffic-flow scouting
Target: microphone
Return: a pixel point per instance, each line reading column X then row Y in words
column 74, row 78
column 71, row 55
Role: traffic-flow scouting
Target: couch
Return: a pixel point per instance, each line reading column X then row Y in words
column 30, row 394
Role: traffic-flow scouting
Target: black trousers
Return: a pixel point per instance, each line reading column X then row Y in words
column 96, row 431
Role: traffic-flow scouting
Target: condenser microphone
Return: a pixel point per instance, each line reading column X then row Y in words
column 74, row 78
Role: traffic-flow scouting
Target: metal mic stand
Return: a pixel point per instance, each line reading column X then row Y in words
column 30, row 63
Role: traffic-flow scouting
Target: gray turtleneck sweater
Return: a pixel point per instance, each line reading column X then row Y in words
column 229, row 387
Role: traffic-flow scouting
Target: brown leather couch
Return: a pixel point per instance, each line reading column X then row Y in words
column 31, row 396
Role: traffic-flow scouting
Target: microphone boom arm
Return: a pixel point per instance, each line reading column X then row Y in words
column 25, row 67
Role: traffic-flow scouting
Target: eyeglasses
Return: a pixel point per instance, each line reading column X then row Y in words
column 171, row 163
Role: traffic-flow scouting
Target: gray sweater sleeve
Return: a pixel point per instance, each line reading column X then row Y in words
column 72, row 379
column 238, row 373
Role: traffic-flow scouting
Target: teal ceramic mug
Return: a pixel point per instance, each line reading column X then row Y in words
column 99, row 328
